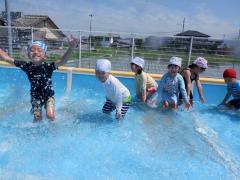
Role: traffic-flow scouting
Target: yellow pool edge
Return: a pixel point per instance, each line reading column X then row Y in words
column 120, row 73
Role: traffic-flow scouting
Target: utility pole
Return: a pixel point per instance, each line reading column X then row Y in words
column 7, row 9
column 183, row 24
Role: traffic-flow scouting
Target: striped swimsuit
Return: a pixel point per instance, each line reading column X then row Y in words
column 117, row 96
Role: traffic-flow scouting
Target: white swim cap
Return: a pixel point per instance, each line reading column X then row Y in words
column 103, row 65
column 201, row 62
column 138, row 61
column 175, row 61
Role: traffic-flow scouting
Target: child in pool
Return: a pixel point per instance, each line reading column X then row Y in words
column 144, row 83
column 171, row 84
column 39, row 74
column 233, row 89
column 191, row 74
column 117, row 95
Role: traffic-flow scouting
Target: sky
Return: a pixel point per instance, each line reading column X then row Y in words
column 217, row 18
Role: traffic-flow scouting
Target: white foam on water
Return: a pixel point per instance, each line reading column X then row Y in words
column 5, row 146
column 6, row 174
column 211, row 138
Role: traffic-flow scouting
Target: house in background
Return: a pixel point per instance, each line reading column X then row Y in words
column 47, row 29
column 181, row 43
column 191, row 33
column 201, row 41
column 105, row 40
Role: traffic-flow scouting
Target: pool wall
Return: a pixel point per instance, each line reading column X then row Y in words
column 121, row 73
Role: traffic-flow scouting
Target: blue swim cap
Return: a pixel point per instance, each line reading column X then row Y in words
column 40, row 44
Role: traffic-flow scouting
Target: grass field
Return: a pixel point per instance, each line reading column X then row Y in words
column 112, row 53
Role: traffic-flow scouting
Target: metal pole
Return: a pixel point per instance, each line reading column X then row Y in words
column 32, row 34
column 7, row 9
column 69, row 80
column 80, row 49
column 239, row 35
column 133, row 45
column 190, row 51
column 90, row 39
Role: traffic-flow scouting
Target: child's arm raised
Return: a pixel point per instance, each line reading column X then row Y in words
column 4, row 56
column 73, row 42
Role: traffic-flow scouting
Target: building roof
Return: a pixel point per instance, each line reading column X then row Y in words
column 35, row 21
column 21, row 20
column 192, row 33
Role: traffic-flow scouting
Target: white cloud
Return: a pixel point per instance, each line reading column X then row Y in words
column 129, row 16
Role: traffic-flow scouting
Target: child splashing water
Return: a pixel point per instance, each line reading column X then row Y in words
column 171, row 84
column 117, row 95
column 145, row 85
column 39, row 74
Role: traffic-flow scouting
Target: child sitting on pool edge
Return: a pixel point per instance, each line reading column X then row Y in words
column 233, row 89
column 145, row 85
column 190, row 74
column 39, row 74
column 171, row 84
column 117, row 95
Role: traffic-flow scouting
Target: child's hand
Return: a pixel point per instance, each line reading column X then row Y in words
column 188, row 105
column 119, row 116
column 4, row 56
column 222, row 104
column 153, row 101
column 202, row 99
column 73, row 42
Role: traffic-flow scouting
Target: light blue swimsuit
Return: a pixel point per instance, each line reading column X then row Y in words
column 169, row 88
column 234, row 89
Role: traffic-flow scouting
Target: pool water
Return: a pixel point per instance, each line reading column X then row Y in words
column 84, row 143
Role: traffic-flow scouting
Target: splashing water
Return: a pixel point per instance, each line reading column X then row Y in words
column 85, row 143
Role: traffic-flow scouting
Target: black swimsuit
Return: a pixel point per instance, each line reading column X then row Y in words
column 196, row 77
column 40, row 78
